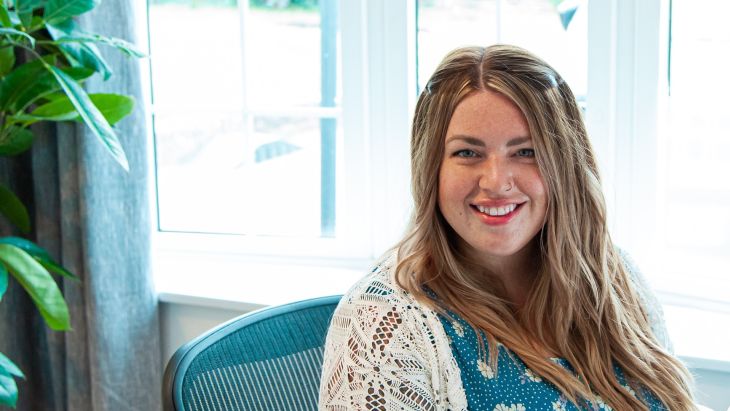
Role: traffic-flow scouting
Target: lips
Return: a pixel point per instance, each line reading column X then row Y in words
column 497, row 211
column 497, row 215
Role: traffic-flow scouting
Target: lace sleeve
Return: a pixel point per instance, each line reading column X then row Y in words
column 376, row 358
column 651, row 303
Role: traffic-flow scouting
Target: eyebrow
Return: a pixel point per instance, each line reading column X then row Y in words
column 478, row 142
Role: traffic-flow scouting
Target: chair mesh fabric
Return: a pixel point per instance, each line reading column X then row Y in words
column 273, row 364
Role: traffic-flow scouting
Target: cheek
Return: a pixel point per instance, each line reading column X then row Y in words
column 453, row 186
column 443, row 189
column 533, row 184
column 536, row 189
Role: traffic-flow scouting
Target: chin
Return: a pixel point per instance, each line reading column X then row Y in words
column 502, row 250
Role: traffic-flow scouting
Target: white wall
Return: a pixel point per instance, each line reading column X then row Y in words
column 181, row 322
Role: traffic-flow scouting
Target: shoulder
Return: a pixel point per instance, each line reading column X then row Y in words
column 379, row 285
column 380, row 333
column 377, row 297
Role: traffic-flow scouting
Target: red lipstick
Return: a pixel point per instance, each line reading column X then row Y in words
column 496, row 220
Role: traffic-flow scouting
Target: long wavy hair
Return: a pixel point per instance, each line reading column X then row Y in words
column 582, row 304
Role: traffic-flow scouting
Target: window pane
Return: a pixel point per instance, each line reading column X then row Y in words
column 694, row 139
column 536, row 25
column 246, row 115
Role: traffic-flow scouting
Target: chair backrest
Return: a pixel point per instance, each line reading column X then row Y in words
column 270, row 359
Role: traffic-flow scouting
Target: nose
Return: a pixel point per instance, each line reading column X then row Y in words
column 496, row 177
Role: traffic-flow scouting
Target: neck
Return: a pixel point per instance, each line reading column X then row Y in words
column 516, row 272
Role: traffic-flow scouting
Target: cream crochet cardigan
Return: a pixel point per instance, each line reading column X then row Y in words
column 386, row 351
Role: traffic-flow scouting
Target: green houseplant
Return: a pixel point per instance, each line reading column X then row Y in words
column 44, row 60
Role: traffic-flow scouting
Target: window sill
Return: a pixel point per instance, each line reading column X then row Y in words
column 229, row 282
column 701, row 336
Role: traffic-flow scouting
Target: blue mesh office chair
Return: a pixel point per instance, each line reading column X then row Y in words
column 270, row 359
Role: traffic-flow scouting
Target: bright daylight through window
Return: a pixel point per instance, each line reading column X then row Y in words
column 246, row 116
column 694, row 138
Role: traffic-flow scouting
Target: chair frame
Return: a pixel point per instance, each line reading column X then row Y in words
column 178, row 365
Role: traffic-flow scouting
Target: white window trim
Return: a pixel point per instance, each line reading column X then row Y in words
column 623, row 58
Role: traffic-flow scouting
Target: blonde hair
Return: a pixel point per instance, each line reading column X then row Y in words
column 582, row 304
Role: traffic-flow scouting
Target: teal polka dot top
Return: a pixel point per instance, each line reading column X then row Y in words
column 513, row 386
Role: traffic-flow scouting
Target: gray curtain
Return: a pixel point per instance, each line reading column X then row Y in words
column 94, row 217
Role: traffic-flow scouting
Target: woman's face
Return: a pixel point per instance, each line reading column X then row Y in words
column 490, row 188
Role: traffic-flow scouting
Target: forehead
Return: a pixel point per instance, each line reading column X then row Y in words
column 486, row 114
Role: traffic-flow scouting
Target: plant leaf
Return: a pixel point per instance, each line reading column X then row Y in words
column 62, row 28
column 90, row 115
column 24, row 9
column 4, row 15
column 39, row 254
column 39, row 284
column 27, row 119
column 3, row 280
column 60, row 10
column 8, row 389
column 27, row 6
column 122, row 45
column 79, row 54
column 14, row 19
column 13, row 32
column 36, row 23
column 17, row 140
column 113, row 107
column 25, row 85
column 19, row 80
column 14, row 210
column 88, row 56
column 7, row 59
column 9, row 367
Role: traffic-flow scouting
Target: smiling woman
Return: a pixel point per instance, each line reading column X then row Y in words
column 507, row 292
column 490, row 189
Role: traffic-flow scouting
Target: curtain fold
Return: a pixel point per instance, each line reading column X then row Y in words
column 94, row 217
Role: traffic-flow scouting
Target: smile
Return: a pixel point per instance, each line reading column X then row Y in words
column 497, row 211
column 496, row 216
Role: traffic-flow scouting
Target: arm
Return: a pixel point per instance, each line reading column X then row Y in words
column 374, row 357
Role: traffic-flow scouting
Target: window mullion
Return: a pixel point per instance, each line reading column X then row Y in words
column 356, row 196
column 623, row 47
column 248, row 143
column 392, row 77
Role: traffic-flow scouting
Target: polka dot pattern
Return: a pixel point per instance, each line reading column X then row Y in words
column 512, row 386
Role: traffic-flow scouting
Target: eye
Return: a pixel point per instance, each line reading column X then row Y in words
column 465, row 153
column 525, row 152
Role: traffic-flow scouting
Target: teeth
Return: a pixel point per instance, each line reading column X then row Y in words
column 497, row 211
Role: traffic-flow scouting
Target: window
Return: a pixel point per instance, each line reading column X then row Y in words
column 558, row 34
column 247, row 127
column 282, row 132
column 694, row 137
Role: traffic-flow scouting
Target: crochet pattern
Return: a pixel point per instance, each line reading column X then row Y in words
column 386, row 351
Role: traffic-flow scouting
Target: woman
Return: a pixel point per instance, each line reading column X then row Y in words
column 507, row 293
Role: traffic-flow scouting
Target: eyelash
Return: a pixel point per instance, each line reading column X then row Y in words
column 522, row 150
column 468, row 153
column 463, row 153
